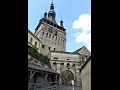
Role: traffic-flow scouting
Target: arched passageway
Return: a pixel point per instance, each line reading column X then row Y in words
column 66, row 77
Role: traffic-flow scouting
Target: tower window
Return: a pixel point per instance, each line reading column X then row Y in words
column 53, row 37
column 54, row 25
column 50, row 36
column 54, row 49
column 58, row 27
column 56, row 33
column 63, row 42
column 46, row 35
column 35, row 44
column 49, row 48
column 43, row 46
column 58, row 41
column 43, row 34
column 31, row 40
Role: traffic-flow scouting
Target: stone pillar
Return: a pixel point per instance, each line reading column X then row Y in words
column 58, row 67
column 46, row 75
column 60, row 81
column 56, row 79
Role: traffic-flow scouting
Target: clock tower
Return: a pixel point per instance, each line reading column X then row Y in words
column 52, row 35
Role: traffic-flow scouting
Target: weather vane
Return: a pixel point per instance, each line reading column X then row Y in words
column 52, row 1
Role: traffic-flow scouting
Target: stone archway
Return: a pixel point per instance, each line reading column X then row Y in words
column 66, row 77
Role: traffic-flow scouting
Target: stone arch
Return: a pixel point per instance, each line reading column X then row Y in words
column 66, row 77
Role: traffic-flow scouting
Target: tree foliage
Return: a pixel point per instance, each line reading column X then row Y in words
column 32, row 51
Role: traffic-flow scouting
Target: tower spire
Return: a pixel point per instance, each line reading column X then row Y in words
column 51, row 13
column 52, row 1
column 52, row 6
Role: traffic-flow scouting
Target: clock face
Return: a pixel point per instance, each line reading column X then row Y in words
column 50, row 29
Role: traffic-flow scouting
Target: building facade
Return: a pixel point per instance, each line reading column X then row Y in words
column 34, row 41
column 85, row 75
column 68, row 65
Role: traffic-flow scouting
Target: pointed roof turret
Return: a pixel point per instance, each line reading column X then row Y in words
column 45, row 14
column 61, row 23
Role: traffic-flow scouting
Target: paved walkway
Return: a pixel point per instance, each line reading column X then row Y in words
column 63, row 87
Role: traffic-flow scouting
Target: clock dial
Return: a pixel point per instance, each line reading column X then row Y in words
column 50, row 29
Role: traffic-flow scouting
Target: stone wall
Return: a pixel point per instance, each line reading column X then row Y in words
column 60, row 60
column 84, row 51
column 32, row 39
column 86, row 76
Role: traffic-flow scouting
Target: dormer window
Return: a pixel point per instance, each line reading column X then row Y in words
column 31, row 40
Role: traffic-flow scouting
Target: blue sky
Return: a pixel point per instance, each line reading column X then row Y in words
column 76, row 16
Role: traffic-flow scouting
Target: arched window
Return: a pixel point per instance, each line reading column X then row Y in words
column 50, row 36
column 73, row 66
column 35, row 44
column 61, row 41
column 62, row 66
column 31, row 40
column 53, row 37
column 43, row 34
column 46, row 35
column 68, row 66
column 58, row 40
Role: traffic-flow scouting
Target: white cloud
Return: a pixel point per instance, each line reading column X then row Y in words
column 83, row 23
